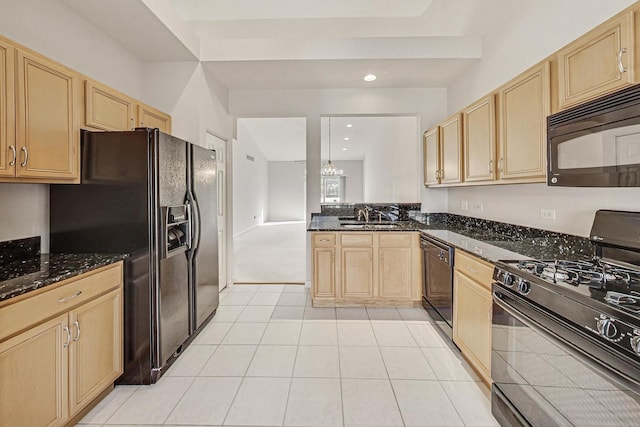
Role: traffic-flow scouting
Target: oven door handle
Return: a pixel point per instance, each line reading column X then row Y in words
column 623, row 380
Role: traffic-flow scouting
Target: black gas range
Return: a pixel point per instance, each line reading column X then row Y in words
column 566, row 333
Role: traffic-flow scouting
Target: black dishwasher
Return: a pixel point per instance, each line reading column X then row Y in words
column 437, row 292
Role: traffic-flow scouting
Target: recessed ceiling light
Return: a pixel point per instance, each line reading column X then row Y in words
column 349, row 125
column 344, row 149
column 346, row 138
column 370, row 77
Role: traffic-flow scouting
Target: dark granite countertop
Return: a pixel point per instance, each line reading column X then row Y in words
column 21, row 276
column 488, row 240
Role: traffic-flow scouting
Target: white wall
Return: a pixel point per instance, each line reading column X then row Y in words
column 24, row 212
column 353, row 170
column 250, row 183
column 286, row 194
column 427, row 104
column 539, row 29
column 195, row 100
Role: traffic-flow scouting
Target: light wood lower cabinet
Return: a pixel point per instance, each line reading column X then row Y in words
column 95, row 357
column 373, row 268
column 50, row 370
column 357, row 272
column 8, row 149
column 33, row 372
column 472, row 305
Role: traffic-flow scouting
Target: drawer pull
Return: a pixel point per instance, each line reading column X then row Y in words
column 77, row 325
column 68, row 331
column 324, row 240
column 472, row 270
column 65, row 299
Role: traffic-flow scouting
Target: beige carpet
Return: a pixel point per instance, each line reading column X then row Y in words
column 271, row 253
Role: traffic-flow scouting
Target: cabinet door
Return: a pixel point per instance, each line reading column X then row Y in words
column 472, row 322
column 395, row 273
column 324, row 284
column 479, row 140
column 451, row 153
column 33, row 376
column 149, row 117
column 107, row 109
column 357, row 272
column 597, row 63
column 7, row 111
column 431, row 156
column 47, row 134
column 95, row 353
column 524, row 107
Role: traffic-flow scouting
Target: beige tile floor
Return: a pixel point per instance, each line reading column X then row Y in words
column 270, row 359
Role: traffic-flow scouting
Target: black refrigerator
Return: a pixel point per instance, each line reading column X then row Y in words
column 154, row 197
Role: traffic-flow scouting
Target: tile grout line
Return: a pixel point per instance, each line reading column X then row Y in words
column 293, row 370
column 119, row 406
column 340, row 371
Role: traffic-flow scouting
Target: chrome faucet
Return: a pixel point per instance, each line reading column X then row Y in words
column 363, row 213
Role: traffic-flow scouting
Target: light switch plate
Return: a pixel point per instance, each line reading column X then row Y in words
column 464, row 205
column 477, row 206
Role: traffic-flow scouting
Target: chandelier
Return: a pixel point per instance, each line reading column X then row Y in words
column 328, row 169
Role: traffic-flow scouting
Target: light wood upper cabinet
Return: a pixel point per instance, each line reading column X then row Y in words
column 47, row 129
column 107, row 109
column 33, row 369
column 451, row 150
column 599, row 62
column 149, row 117
column 479, row 140
column 524, row 104
column 431, row 156
column 7, row 110
column 95, row 358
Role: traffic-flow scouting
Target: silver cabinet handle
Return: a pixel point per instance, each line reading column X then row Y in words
column 26, row 156
column 324, row 240
column 68, row 331
column 620, row 53
column 65, row 299
column 15, row 155
column 437, row 174
column 441, row 173
column 500, row 162
column 77, row 325
column 472, row 270
column 490, row 165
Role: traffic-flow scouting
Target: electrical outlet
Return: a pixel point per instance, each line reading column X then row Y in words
column 477, row 206
column 464, row 205
column 548, row 214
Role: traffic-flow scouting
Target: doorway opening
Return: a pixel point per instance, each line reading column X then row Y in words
column 269, row 198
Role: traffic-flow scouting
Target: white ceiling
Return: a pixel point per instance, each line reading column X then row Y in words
column 284, row 138
column 229, row 10
column 293, row 44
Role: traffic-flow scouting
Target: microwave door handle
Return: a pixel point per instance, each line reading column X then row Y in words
column 623, row 380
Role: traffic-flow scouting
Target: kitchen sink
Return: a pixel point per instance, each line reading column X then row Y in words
column 369, row 226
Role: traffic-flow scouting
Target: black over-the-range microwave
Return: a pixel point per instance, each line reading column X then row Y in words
column 596, row 144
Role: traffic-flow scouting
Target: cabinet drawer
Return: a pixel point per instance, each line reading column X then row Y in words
column 474, row 268
column 324, row 240
column 356, row 239
column 21, row 315
column 395, row 240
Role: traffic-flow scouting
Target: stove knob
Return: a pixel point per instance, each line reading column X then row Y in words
column 635, row 343
column 524, row 287
column 607, row 328
column 508, row 279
